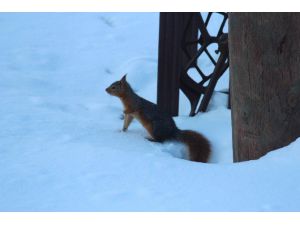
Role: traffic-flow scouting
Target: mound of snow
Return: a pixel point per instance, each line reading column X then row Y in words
column 61, row 145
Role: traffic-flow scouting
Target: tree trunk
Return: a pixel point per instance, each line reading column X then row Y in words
column 265, row 81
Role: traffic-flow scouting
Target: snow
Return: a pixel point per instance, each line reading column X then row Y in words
column 61, row 144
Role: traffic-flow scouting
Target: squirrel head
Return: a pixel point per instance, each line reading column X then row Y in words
column 118, row 88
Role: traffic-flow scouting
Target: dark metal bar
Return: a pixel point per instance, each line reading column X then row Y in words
column 178, row 52
column 171, row 58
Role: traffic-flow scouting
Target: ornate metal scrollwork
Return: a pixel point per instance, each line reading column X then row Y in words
column 205, row 87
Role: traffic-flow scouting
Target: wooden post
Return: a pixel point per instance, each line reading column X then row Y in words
column 171, row 59
column 264, row 51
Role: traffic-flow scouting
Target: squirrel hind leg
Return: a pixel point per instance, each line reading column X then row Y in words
column 162, row 131
column 153, row 140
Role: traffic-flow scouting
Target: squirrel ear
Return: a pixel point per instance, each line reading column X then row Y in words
column 124, row 78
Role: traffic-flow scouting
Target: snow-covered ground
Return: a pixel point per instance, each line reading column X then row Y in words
column 61, row 148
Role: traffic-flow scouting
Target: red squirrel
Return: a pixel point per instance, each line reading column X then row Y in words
column 159, row 125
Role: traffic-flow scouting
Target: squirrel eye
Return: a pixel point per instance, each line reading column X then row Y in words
column 113, row 87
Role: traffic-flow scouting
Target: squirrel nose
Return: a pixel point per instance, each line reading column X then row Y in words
column 106, row 89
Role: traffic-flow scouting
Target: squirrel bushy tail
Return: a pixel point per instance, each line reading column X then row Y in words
column 159, row 125
column 198, row 145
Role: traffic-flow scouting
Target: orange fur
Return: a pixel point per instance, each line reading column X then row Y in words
column 161, row 127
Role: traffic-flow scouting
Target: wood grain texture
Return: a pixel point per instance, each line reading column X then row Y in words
column 264, row 52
